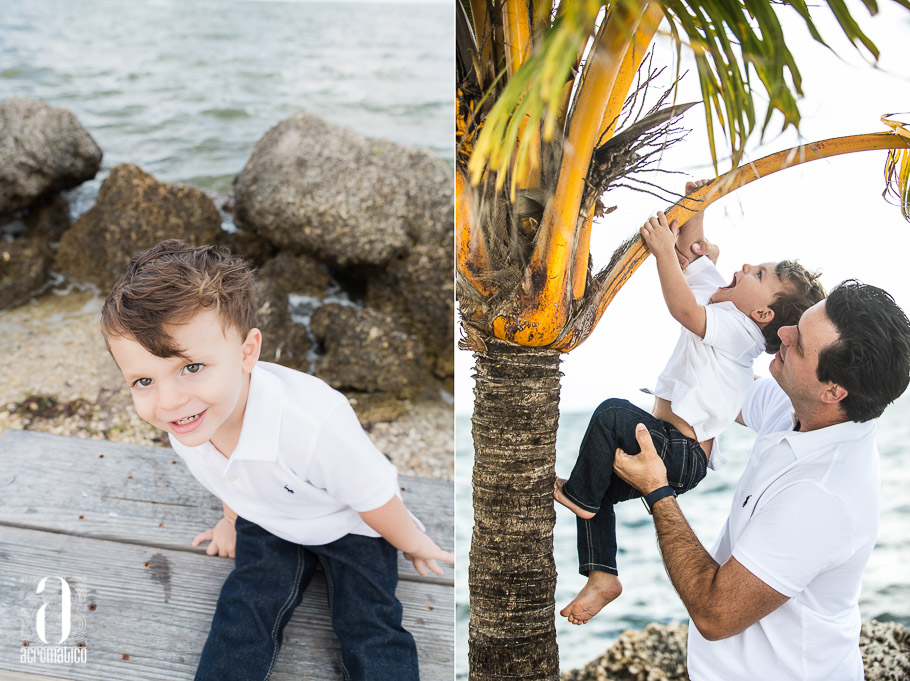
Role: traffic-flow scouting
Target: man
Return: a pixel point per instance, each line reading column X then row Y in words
column 777, row 597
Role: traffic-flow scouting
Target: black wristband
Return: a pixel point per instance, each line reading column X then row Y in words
column 657, row 495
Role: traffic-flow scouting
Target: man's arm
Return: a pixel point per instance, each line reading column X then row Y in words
column 660, row 239
column 722, row 600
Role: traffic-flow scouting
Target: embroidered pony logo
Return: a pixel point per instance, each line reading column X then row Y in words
column 289, row 489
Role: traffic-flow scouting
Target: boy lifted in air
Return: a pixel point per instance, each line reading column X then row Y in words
column 698, row 394
column 300, row 481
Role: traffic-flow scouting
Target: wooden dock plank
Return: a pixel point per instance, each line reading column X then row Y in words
column 142, row 494
column 155, row 606
column 120, row 518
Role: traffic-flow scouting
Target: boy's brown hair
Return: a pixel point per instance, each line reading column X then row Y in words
column 171, row 283
column 802, row 290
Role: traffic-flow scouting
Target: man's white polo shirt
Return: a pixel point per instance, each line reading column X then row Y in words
column 303, row 467
column 804, row 520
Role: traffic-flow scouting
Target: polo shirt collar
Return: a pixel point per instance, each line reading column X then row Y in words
column 804, row 444
column 261, row 419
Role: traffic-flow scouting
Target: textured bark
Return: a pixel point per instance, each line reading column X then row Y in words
column 512, row 574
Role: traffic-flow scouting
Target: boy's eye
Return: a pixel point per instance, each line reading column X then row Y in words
column 192, row 368
column 759, row 275
column 142, row 382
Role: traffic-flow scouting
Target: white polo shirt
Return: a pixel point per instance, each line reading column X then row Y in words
column 707, row 379
column 303, row 467
column 804, row 520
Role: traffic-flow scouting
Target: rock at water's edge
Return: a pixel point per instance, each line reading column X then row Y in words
column 43, row 149
column 134, row 212
column 659, row 654
column 367, row 351
column 419, row 290
column 315, row 187
column 284, row 341
column 24, row 269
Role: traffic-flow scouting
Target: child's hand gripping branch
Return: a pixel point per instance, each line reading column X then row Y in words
column 397, row 527
column 660, row 238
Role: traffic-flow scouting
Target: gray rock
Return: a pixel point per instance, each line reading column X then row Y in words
column 313, row 186
column 656, row 654
column 301, row 274
column 367, row 351
column 659, row 654
column 419, row 290
column 134, row 211
column 43, row 149
column 48, row 218
column 284, row 341
column 886, row 651
column 251, row 247
column 24, row 269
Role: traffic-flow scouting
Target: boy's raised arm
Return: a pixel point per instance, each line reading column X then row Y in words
column 397, row 527
column 661, row 240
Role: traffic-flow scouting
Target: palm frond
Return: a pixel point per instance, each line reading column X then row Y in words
column 897, row 168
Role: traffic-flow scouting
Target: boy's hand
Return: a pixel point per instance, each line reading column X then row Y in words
column 222, row 539
column 660, row 237
column 426, row 555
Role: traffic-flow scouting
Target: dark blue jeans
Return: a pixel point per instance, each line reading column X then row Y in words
column 593, row 486
column 267, row 583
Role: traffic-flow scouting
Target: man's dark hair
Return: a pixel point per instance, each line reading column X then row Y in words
column 871, row 359
column 801, row 290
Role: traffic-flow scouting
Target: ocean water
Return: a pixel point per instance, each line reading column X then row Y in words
column 647, row 594
column 185, row 88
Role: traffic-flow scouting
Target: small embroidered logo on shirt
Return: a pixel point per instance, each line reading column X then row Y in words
column 747, row 500
column 289, row 489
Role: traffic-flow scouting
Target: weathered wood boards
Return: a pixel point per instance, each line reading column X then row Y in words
column 119, row 520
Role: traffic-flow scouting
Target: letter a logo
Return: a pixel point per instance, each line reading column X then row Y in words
column 65, row 611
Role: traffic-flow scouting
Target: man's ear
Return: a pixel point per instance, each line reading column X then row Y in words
column 250, row 349
column 834, row 393
column 762, row 316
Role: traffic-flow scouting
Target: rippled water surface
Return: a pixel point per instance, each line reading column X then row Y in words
column 648, row 595
column 185, row 88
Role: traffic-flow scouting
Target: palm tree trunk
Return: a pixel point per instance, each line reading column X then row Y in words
column 512, row 574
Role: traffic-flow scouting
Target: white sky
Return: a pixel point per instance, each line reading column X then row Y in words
column 829, row 214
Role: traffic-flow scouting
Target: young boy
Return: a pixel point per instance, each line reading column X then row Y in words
column 698, row 395
column 299, row 480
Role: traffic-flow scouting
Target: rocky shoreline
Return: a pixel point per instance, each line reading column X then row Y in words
column 350, row 238
column 658, row 653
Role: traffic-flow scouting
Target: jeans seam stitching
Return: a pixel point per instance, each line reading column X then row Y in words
column 284, row 608
column 331, row 595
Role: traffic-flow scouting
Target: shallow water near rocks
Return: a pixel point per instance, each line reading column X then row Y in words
column 186, row 89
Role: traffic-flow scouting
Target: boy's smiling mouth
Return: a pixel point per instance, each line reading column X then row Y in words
column 188, row 423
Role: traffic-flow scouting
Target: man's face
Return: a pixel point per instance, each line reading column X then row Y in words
column 796, row 363
column 197, row 397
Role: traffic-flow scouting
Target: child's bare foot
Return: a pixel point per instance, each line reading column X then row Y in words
column 561, row 497
column 601, row 588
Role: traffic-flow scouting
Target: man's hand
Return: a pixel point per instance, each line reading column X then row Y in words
column 426, row 555
column 222, row 539
column 660, row 237
column 705, row 247
column 646, row 471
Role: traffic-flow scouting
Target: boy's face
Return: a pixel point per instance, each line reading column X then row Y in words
column 752, row 291
column 196, row 399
